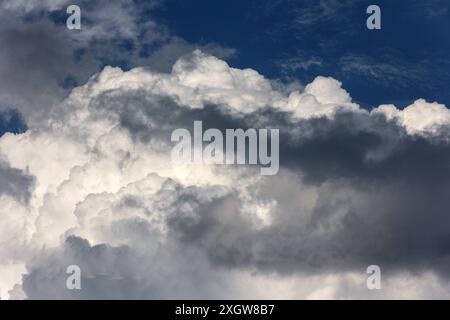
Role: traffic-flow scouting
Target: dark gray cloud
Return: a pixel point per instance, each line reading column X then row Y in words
column 15, row 183
column 381, row 193
column 105, row 269
column 124, row 272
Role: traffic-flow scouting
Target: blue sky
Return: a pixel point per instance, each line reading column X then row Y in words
column 11, row 121
column 407, row 59
column 287, row 40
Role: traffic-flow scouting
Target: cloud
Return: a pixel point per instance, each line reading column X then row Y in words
column 301, row 63
column 419, row 117
column 17, row 184
column 431, row 9
column 42, row 60
column 324, row 10
column 107, row 197
column 389, row 69
column 29, row 6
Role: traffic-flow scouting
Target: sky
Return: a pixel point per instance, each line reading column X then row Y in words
column 405, row 60
column 86, row 176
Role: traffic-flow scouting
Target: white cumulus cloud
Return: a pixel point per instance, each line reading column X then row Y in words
column 104, row 194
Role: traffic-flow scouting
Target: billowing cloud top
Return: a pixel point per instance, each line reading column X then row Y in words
column 94, row 186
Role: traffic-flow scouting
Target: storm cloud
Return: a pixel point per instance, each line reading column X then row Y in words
column 355, row 188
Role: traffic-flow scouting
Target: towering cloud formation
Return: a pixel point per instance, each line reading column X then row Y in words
column 95, row 187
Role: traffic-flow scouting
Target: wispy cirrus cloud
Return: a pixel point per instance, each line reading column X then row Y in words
column 300, row 63
column 429, row 9
column 321, row 11
column 393, row 69
column 388, row 70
